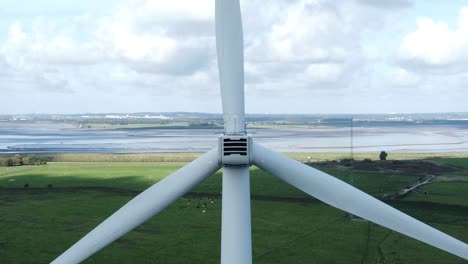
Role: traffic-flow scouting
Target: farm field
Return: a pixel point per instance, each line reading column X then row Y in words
column 45, row 209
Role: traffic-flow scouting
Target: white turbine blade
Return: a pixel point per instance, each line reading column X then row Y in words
column 345, row 197
column 142, row 207
column 229, row 46
column 236, row 241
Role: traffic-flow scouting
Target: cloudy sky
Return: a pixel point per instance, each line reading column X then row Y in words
column 301, row 56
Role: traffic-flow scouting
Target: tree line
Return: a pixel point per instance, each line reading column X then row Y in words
column 18, row 160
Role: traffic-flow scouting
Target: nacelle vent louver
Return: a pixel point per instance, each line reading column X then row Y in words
column 234, row 150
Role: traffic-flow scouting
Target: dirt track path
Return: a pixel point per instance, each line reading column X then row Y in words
column 412, row 188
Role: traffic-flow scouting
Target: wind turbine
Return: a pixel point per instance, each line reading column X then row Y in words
column 235, row 153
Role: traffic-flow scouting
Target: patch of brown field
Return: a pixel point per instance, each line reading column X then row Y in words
column 395, row 166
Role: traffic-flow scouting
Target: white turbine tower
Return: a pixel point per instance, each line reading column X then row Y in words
column 235, row 153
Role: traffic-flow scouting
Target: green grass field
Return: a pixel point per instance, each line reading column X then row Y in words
column 38, row 223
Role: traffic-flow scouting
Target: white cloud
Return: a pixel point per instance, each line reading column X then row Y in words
column 145, row 37
column 387, row 3
column 324, row 72
column 435, row 47
column 313, row 38
column 299, row 48
column 401, row 77
column 313, row 45
column 162, row 37
column 45, row 44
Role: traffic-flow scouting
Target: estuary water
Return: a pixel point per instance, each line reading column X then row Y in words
column 53, row 137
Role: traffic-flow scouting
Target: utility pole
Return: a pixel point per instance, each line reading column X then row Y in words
column 351, row 161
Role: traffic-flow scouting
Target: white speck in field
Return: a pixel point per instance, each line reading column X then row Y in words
column 204, row 211
column 11, row 180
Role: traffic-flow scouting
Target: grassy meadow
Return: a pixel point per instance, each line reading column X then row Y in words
column 73, row 193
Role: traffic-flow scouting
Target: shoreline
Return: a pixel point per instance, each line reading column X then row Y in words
column 189, row 156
